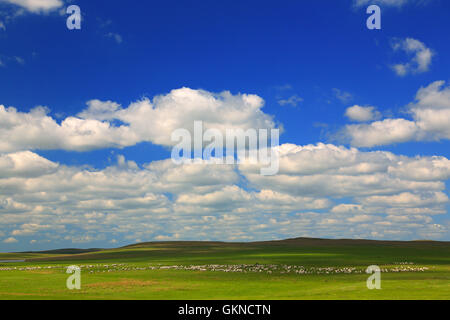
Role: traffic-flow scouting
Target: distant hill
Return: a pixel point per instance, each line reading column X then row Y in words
column 293, row 241
column 66, row 251
column 279, row 251
column 331, row 242
column 306, row 242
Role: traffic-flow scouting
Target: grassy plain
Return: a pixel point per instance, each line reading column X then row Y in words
column 265, row 270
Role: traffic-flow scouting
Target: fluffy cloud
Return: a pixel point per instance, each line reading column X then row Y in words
column 332, row 171
column 421, row 57
column 380, row 133
column 10, row 240
column 408, row 199
column 37, row 130
column 431, row 111
column 431, row 115
column 24, row 163
column 362, row 114
column 36, row 6
column 321, row 190
column 30, row 229
column 106, row 124
column 422, row 169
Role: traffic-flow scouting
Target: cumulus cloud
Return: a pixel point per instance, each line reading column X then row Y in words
column 37, row 130
column 380, row 133
column 24, row 163
column 408, row 199
column 10, row 240
column 430, row 118
column 30, row 229
column 322, row 190
column 340, row 172
column 431, row 111
column 362, row 114
column 421, row 56
column 36, row 6
column 106, row 124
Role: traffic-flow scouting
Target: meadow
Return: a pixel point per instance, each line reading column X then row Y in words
column 290, row 269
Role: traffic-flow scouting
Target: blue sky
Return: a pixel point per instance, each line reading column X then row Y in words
column 310, row 61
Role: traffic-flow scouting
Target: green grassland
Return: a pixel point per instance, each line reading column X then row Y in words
column 264, row 270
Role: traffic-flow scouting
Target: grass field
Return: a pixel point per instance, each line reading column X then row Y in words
column 290, row 269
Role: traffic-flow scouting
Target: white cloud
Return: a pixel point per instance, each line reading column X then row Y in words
column 431, row 111
column 2, row 26
column 421, row 57
column 362, row 218
column 362, row 114
column 423, row 169
column 400, row 69
column 380, row 133
column 100, row 110
column 36, row 6
column 10, row 240
column 322, row 190
column 30, row 229
column 331, row 171
column 292, row 101
column 431, row 117
column 234, row 199
column 348, row 208
column 408, row 199
column 72, row 134
column 26, row 164
column 143, row 121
